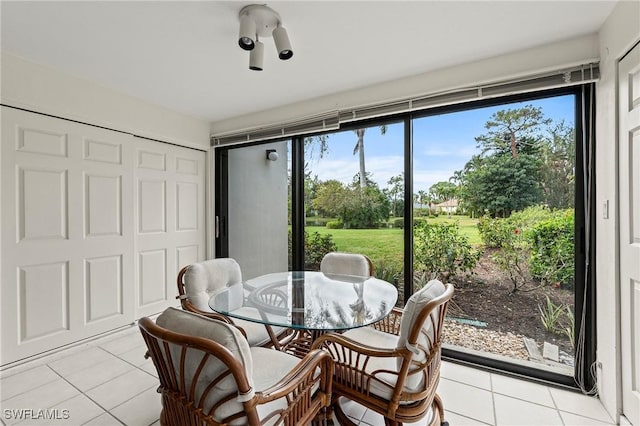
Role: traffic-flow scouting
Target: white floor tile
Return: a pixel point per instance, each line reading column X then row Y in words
column 25, row 381
column 467, row 375
column 103, row 420
column 135, row 356
column 43, row 397
column 521, row 389
column 143, row 409
column 466, row 400
column 372, row 418
column 352, row 409
column 570, row 419
column 124, row 344
column 79, row 361
column 458, row 420
column 150, row 368
column 577, row 403
column 73, row 412
column 114, row 392
column 100, row 373
column 511, row 411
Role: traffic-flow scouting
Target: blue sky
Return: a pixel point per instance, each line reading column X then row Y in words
column 442, row 145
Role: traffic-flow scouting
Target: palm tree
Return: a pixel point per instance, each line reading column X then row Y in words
column 359, row 148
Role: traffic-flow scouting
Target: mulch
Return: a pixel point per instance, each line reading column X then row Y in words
column 488, row 296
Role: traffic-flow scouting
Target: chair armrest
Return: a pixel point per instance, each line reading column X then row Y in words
column 303, row 376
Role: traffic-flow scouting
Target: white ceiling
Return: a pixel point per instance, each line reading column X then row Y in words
column 185, row 56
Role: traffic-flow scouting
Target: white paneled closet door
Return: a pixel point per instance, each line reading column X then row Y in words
column 67, row 234
column 170, row 230
column 629, row 187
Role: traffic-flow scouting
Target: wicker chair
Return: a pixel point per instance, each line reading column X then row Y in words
column 209, row 376
column 393, row 367
column 346, row 264
column 198, row 281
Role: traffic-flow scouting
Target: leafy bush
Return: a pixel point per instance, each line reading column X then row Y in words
column 552, row 254
column 550, row 315
column 315, row 247
column 397, row 222
column 388, row 270
column 441, row 251
column 513, row 254
column 492, row 231
column 419, row 221
column 335, row 224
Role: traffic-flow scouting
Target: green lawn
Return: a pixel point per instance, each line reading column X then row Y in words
column 385, row 243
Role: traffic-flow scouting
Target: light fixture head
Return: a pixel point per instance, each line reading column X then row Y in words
column 283, row 45
column 256, row 57
column 246, row 38
column 272, row 155
column 259, row 20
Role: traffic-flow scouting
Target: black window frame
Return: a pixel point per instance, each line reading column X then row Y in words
column 585, row 277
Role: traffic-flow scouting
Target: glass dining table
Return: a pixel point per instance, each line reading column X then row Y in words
column 307, row 302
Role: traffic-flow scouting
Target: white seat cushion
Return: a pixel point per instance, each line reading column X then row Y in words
column 379, row 339
column 345, row 264
column 270, row 366
column 191, row 324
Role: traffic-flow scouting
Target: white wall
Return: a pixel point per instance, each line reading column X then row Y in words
column 618, row 34
column 42, row 89
column 548, row 57
column 257, row 221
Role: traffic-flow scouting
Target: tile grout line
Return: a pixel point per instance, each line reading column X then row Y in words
column 493, row 400
column 86, row 396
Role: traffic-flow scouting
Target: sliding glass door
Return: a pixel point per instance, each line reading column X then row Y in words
column 495, row 217
column 488, row 196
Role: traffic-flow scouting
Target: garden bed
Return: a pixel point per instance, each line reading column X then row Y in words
column 487, row 296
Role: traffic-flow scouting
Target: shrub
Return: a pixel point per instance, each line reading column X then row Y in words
column 419, row 221
column 398, row 222
column 513, row 254
column 388, row 270
column 315, row 247
column 552, row 254
column 442, row 251
column 492, row 231
column 335, row 224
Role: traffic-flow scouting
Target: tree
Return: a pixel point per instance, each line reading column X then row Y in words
column 512, row 130
column 558, row 168
column 396, row 189
column 364, row 207
column 422, row 198
column 443, row 191
column 501, row 184
column 359, row 149
column 329, row 197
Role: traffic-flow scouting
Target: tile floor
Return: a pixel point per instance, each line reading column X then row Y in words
column 108, row 382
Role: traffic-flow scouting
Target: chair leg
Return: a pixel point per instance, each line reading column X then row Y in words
column 440, row 407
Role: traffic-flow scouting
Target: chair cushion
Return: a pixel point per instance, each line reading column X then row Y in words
column 379, row 339
column 191, row 324
column 270, row 367
column 202, row 279
column 345, row 264
column 412, row 309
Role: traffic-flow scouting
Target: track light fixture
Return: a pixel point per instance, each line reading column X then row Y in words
column 257, row 21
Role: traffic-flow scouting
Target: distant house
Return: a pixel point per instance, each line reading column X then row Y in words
column 449, row 206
